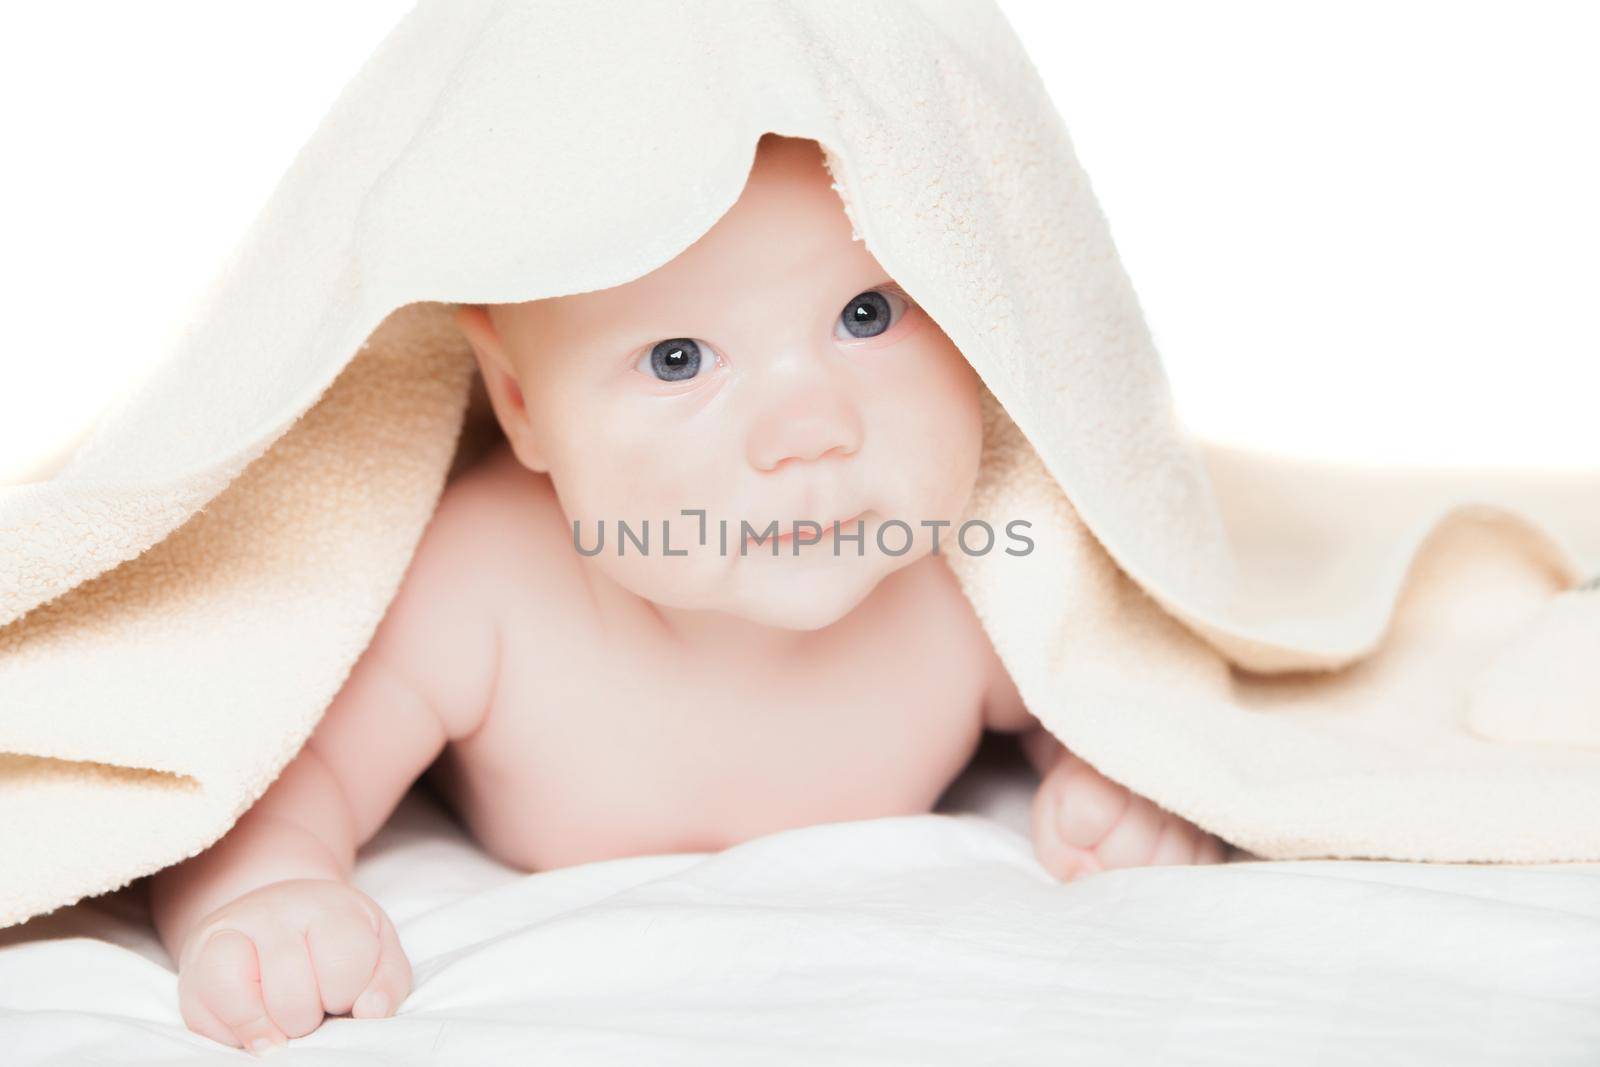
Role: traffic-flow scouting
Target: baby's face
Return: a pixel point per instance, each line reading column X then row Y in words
column 772, row 371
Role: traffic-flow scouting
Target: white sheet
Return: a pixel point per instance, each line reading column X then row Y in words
column 933, row 939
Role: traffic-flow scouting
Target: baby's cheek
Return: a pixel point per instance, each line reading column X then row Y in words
column 633, row 463
column 960, row 434
column 941, row 448
column 611, row 483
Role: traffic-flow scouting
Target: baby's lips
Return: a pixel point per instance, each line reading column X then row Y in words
column 787, row 530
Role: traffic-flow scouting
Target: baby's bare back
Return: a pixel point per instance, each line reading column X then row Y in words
column 607, row 735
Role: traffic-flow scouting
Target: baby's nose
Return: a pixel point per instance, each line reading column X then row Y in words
column 805, row 426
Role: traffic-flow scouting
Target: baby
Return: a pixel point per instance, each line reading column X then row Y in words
column 685, row 692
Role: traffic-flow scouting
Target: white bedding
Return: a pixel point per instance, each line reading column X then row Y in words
column 933, row 939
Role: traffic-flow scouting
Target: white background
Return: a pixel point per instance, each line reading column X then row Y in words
column 1363, row 231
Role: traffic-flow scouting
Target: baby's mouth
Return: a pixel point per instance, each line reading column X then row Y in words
column 788, row 530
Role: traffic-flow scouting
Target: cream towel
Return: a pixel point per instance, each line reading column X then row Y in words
column 180, row 602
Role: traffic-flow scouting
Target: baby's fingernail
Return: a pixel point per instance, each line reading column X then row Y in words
column 370, row 1005
column 1073, row 870
column 263, row 1046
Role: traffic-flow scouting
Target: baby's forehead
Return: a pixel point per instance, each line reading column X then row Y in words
column 738, row 286
column 707, row 284
column 785, row 236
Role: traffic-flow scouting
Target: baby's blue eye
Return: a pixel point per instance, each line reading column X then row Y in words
column 869, row 314
column 674, row 360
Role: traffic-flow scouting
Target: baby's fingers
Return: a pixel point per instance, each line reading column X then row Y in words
column 1178, row 844
column 1211, row 849
column 288, row 984
column 1088, row 806
column 391, row 982
column 221, row 986
column 344, row 949
column 200, row 1019
column 1132, row 841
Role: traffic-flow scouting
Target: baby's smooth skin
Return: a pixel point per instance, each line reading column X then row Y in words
column 579, row 707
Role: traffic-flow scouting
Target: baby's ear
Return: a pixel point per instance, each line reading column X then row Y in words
column 500, row 382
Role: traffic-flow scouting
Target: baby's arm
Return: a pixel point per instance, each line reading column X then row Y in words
column 1084, row 822
column 267, row 932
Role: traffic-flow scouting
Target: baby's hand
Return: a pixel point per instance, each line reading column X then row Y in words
column 269, row 965
column 1084, row 822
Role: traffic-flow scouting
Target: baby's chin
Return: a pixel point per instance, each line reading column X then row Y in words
column 777, row 592
column 805, row 612
column 786, row 598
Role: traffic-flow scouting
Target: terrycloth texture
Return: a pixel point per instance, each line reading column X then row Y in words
column 183, row 599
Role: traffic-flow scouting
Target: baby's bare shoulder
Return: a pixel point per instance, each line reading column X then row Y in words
column 1003, row 709
column 440, row 633
column 489, row 573
column 504, row 525
column 962, row 633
